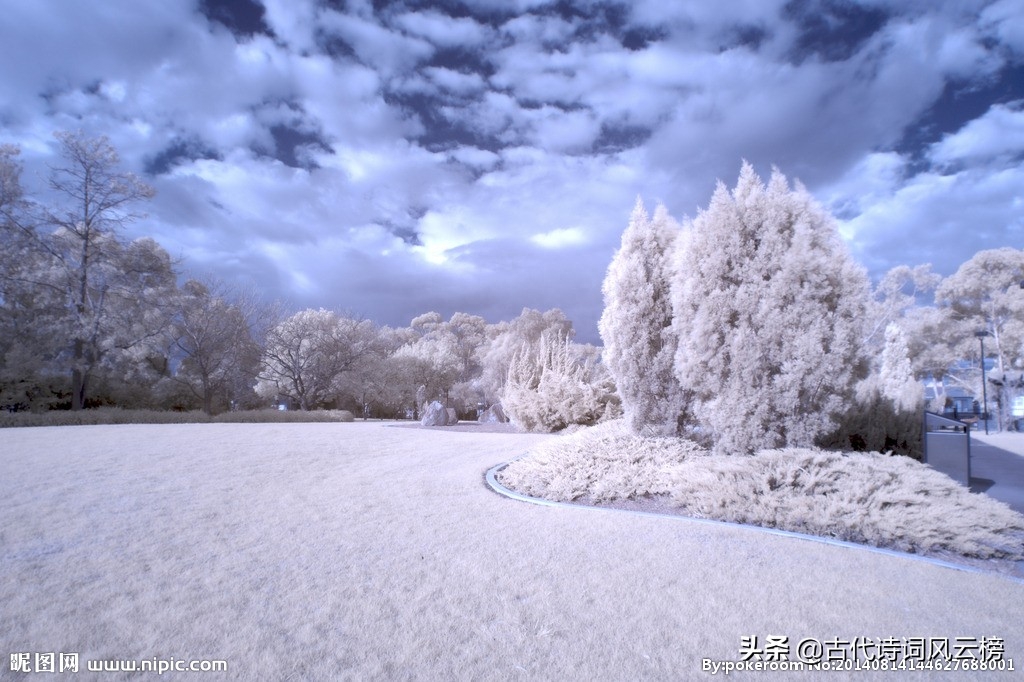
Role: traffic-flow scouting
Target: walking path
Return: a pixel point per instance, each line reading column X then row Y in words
column 997, row 467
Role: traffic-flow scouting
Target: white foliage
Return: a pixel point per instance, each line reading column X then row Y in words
column 432, row 361
column 769, row 308
column 636, row 325
column 307, row 353
column 506, row 339
column 869, row 498
column 985, row 294
column 896, row 376
column 549, row 387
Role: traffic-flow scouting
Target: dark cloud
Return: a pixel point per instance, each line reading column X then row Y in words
column 242, row 17
column 297, row 148
column 181, row 150
column 620, row 137
column 832, row 30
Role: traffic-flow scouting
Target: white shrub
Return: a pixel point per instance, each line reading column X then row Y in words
column 860, row 497
column 549, row 387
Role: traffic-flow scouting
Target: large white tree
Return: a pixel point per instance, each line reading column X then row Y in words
column 895, row 296
column 636, row 325
column 212, row 336
column 985, row 294
column 430, row 365
column 96, row 200
column 69, row 277
column 306, row 354
column 769, row 309
column 29, row 315
column 507, row 339
column 109, row 290
column 448, row 355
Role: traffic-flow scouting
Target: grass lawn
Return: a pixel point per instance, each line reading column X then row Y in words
column 369, row 551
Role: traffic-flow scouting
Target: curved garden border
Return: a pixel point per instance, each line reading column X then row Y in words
column 492, row 482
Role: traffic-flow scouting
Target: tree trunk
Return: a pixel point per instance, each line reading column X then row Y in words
column 78, row 377
column 207, row 399
column 77, row 389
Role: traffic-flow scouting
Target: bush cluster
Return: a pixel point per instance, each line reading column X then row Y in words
column 114, row 415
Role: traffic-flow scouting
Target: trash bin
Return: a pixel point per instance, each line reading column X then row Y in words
column 947, row 447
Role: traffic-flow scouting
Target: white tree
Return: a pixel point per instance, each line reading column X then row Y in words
column 449, row 355
column 551, row 386
column 986, row 294
column 212, row 337
column 79, row 296
column 896, row 294
column 506, row 339
column 768, row 307
column 28, row 314
column 97, row 200
column 636, row 325
column 102, row 294
column 306, row 353
column 885, row 415
column 432, row 362
column 896, row 375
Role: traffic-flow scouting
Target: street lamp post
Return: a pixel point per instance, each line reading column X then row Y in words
column 984, row 388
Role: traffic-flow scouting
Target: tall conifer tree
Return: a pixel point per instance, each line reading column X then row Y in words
column 636, row 326
column 769, row 310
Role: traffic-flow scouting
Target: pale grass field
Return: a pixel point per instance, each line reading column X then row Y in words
column 366, row 551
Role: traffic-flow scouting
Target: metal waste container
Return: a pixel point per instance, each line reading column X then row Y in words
column 947, row 447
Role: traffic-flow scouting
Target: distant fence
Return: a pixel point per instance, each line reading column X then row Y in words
column 947, row 446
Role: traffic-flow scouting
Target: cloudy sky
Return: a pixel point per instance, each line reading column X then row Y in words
column 391, row 158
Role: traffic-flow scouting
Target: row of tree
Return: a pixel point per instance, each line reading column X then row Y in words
column 88, row 317
column 751, row 327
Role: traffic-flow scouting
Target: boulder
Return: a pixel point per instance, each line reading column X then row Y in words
column 435, row 414
column 493, row 415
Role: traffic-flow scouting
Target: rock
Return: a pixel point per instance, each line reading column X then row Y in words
column 493, row 415
column 435, row 414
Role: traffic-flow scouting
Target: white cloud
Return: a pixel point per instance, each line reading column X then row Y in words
column 530, row 191
column 455, row 81
column 1005, row 20
column 870, row 181
column 463, row 32
column 505, row 7
column 292, row 21
column 562, row 237
column 997, row 136
column 563, row 131
column 388, row 51
column 940, row 219
column 478, row 158
column 539, row 29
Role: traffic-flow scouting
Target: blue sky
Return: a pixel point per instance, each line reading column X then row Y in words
column 392, row 158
